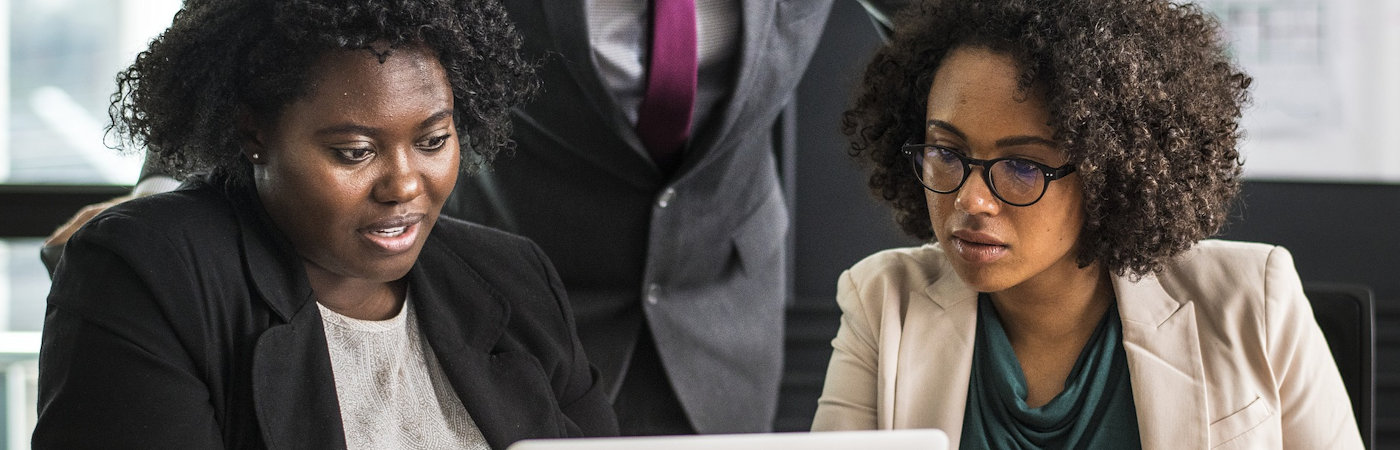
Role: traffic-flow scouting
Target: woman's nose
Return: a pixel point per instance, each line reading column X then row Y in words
column 975, row 196
column 399, row 180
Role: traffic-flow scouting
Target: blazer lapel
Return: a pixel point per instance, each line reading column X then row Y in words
column 464, row 319
column 293, row 383
column 276, row 272
column 1164, row 361
column 935, row 353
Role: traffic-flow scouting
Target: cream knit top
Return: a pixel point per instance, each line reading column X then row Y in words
column 393, row 393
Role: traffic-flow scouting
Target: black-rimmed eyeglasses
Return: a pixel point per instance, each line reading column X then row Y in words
column 1015, row 181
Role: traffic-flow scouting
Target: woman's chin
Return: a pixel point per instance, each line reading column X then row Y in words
column 396, row 268
column 980, row 278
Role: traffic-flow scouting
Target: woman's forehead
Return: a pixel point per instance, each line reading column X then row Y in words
column 976, row 93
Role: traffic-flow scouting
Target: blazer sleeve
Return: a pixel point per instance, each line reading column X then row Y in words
column 1313, row 402
column 112, row 371
column 582, row 401
column 848, row 400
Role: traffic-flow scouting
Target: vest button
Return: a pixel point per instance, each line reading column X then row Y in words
column 653, row 293
column 666, row 197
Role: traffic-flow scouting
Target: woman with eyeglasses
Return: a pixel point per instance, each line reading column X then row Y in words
column 301, row 289
column 1064, row 159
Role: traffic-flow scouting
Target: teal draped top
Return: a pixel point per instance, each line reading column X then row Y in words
column 1095, row 410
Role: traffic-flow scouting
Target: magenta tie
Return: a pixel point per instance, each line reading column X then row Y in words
column 663, row 119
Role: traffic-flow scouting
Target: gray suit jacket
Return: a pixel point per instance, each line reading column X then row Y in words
column 700, row 255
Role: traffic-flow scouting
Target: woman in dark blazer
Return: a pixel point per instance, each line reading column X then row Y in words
column 301, row 290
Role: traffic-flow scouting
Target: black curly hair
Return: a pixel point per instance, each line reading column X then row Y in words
column 1141, row 93
column 221, row 59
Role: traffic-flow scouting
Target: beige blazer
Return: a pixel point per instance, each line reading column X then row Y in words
column 1222, row 348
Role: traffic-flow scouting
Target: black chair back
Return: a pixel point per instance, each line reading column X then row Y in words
column 1345, row 314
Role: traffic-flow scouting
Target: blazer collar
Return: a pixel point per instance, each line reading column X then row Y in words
column 458, row 309
column 1160, row 340
column 272, row 264
column 935, row 348
column 292, row 380
column 463, row 318
column 948, row 290
column 280, row 278
column 1164, row 359
column 294, row 385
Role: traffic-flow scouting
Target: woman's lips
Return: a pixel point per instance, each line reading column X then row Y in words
column 394, row 235
column 977, row 247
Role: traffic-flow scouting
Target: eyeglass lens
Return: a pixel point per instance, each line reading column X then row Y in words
column 1013, row 180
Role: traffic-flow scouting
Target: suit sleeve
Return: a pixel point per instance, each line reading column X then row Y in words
column 582, row 401
column 1316, row 412
column 112, row 371
column 848, row 400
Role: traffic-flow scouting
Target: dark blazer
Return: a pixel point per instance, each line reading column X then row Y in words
column 699, row 255
column 184, row 320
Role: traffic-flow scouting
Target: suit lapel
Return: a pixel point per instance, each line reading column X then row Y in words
column 568, row 26
column 757, row 19
column 1164, row 361
column 935, row 351
column 464, row 318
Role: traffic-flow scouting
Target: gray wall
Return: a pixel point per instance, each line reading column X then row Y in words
column 837, row 221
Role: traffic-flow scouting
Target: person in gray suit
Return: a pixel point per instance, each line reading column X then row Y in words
column 676, row 264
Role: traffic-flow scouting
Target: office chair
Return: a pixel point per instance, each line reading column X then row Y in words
column 1345, row 314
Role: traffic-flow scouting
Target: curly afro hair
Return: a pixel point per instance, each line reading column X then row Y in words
column 225, row 59
column 1141, row 93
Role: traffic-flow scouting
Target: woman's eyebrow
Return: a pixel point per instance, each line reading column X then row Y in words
column 354, row 128
column 1013, row 141
column 935, row 123
column 1009, row 141
column 348, row 128
column 435, row 118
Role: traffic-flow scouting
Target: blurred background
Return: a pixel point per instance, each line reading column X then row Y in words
column 1322, row 162
column 57, row 63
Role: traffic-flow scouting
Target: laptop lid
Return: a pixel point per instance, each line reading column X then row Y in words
column 927, row 439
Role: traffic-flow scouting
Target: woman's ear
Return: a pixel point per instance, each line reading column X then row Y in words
column 251, row 139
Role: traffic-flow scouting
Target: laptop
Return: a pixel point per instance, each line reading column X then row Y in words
column 926, row 439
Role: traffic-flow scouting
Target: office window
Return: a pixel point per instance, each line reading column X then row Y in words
column 56, row 75
column 58, row 61
column 1326, row 99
